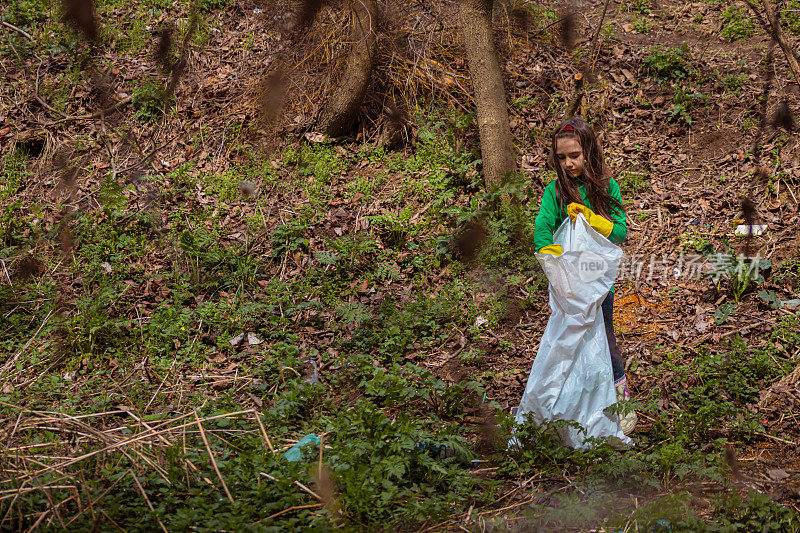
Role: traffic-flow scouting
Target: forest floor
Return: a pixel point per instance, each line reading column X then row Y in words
column 193, row 281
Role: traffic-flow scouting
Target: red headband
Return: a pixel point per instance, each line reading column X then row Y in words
column 568, row 127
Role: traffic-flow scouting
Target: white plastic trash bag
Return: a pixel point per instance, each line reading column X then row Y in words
column 571, row 377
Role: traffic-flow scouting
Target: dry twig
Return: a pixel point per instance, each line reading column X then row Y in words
column 211, row 456
column 147, row 500
column 18, row 30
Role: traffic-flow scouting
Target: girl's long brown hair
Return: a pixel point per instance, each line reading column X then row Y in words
column 595, row 173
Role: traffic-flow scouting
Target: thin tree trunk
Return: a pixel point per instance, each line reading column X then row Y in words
column 789, row 52
column 340, row 111
column 497, row 148
column 577, row 100
column 773, row 27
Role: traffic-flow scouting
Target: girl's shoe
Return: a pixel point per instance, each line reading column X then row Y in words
column 626, row 420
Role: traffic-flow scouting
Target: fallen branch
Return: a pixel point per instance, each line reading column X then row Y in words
column 18, row 30
column 95, row 501
column 773, row 437
column 293, row 508
column 309, row 491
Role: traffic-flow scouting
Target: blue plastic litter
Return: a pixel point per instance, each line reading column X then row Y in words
column 298, row 451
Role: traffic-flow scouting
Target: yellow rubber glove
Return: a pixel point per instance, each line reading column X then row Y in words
column 601, row 224
column 552, row 249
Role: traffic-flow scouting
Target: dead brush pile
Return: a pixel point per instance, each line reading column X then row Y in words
column 419, row 60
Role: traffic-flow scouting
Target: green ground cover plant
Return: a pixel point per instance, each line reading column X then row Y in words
column 663, row 63
column 13, row 173
column 395, row 448
column 644, row 7
column 790, row 16
column 683, row 103
column 737, row 23
column 395, row 473
column 24, row 13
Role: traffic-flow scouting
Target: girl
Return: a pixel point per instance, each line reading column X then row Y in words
column 583, row 186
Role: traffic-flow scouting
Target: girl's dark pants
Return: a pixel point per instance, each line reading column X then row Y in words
column 617, row 362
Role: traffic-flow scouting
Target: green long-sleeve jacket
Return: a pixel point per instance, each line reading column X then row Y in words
column 551, row 215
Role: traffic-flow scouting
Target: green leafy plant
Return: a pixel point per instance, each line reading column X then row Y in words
column 788, row 271
column 320, row 160
column 734, row 82
column 151, row 100
column 288, row 238
column 737, row 23
column 499, row 231
column 213, row 266
column 739, row 271
column 14, row 171
column 720, row 384
column 682, row 103
column 755, row 511
column 633, row 181
column 353, row 312
column 774, row 300
column 390, row 332
column 731, row 511
column 790, row 16
column 23, row 13
column 668, row 63
column 644, row 7
column 212, row 5
column 112, row 194
column 723, row 312
column 694, row 241
column 446, row 153
column 609, row 31
column 642, row 25
column 389, row 471
column 354, row 250
column 539, row 448
column 395, row 229
column 264, row 485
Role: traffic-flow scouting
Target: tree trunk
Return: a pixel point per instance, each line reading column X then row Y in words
column 497, row 148
column 339, row 112
column 777, row 33
column 773, row 28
